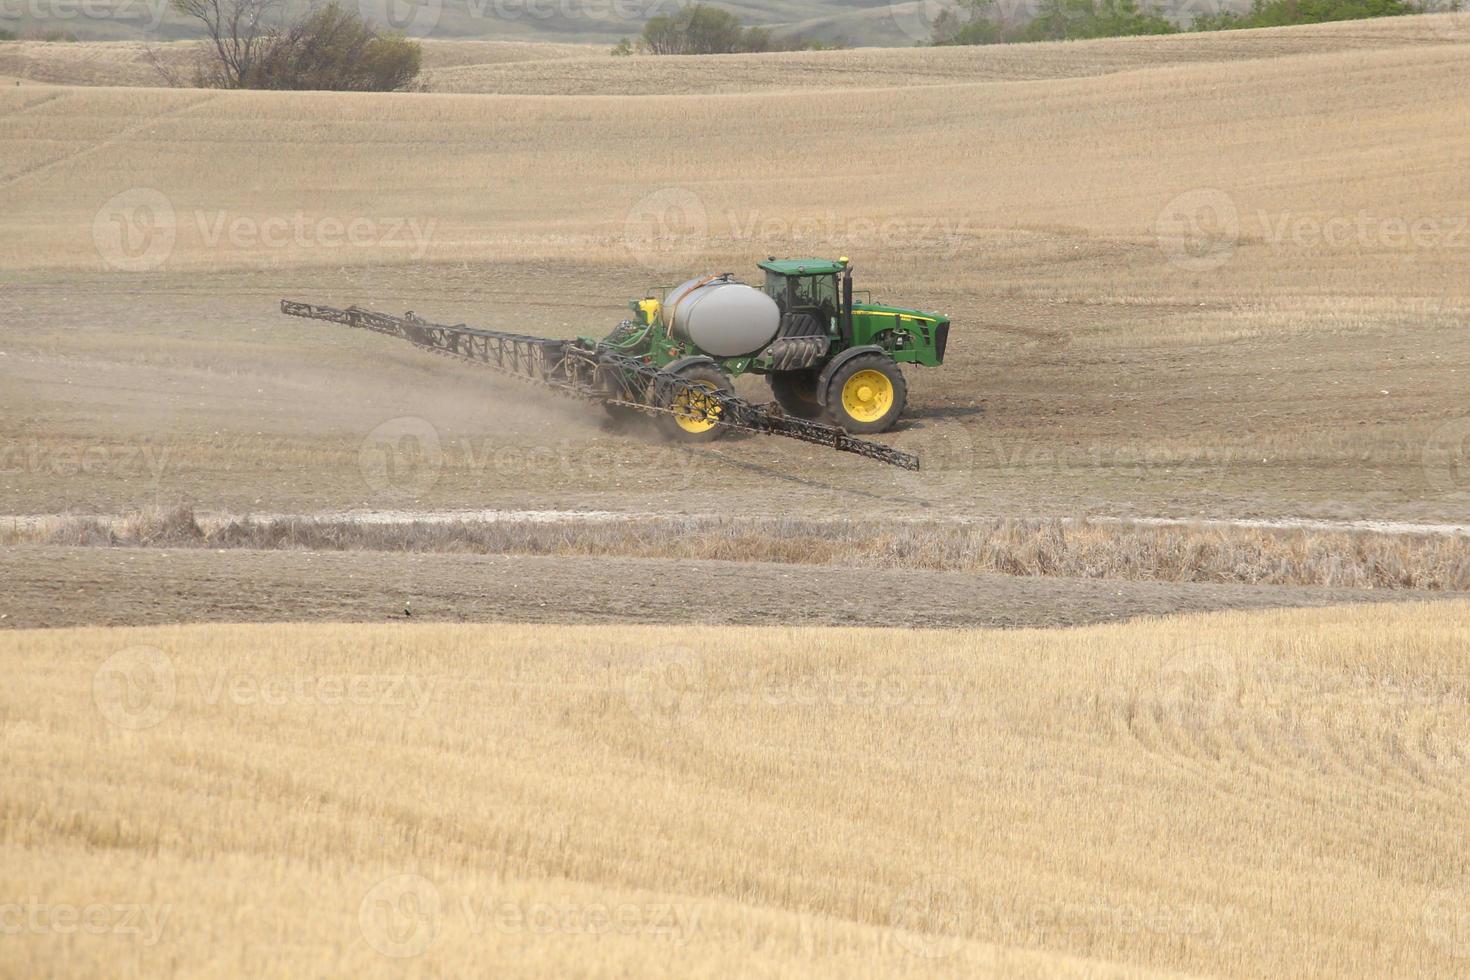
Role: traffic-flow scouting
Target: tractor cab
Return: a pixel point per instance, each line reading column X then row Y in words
column 815, row 296
column 810, row 288
column 836, row 359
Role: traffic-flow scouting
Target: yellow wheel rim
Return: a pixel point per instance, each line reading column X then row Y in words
column 694, row 412
column 867, row 396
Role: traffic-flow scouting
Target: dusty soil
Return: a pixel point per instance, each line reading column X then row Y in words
column 134, row 391
column 1108, row 359
column 60, row 586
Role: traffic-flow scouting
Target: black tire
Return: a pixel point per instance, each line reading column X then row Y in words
column 841, row 413
column 796, row 393
column 669, row 421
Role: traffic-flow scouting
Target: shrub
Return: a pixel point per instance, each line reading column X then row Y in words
column 1283, row 13
column 331, row 48
column 1056, row 20
column 702, row 29
column 1069, row 20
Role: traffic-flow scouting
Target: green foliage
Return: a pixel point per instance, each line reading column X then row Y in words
column 8, row 36
column 1283, row 13
column 1070, row 20
column 1056, row 20
column 701, row 29
column 334, row 49
column 330, row 48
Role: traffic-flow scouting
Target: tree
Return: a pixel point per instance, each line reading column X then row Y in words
column 702, row 29
column 237, row 29
column 333, row 49
column 1282, row 13
column 1055, row 20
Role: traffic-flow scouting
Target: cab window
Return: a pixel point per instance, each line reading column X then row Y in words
column 824, row 292
column 817, row 294
column 776, row 288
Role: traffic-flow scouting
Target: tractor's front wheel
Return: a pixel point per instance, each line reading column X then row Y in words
column 688, row 415
column 867, row 394
column 796, row 393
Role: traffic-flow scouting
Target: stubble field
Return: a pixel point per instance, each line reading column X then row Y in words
column 1263, row 794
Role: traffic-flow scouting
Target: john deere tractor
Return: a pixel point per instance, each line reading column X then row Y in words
column 833, row 364
column 825, row 356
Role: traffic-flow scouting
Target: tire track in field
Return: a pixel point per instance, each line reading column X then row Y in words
column 1296, row 747
column 121, row 135
column 1239, row 777
column 36, row 104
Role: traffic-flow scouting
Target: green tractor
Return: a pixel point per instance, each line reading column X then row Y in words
column 825, row 356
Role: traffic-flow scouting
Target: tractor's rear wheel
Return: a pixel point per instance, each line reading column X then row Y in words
column 689, row 416
column 867, row 394
column 796, row 393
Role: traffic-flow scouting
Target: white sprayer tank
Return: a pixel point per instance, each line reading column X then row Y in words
column 721, row 317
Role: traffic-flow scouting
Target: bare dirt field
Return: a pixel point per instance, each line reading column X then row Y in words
column 1255, row 794
column 1306, row 358
column 51, row 586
